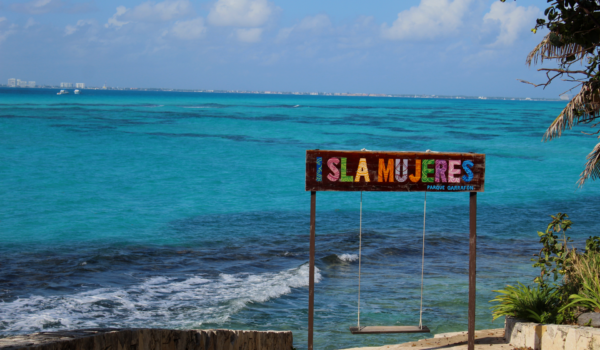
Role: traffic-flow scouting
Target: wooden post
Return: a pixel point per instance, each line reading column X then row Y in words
column 472, row 267
column 311, row 270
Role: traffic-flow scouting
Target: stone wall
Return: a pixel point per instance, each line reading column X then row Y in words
column 150, row 339
column 550, row 336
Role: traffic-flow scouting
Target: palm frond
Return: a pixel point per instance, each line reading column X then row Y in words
column 584, row 107
column 592, row 166
column 546, row 49
column 536, row 53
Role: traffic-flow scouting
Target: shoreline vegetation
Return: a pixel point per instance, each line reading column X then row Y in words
column 567, row 287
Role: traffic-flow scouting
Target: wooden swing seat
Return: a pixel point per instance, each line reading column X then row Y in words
column 389, row 329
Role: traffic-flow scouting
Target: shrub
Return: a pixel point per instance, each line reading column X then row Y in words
column 554, row 258
column 568, row 281
column 537, row 304
column 586, row 269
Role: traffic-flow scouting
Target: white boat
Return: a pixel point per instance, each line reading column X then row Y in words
column 76, row 92
column 62, row 92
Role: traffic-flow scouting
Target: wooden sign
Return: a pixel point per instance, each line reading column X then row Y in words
column 394, row 171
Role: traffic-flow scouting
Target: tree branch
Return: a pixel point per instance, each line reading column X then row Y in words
column 591, row 134
column 564, row 71
column 546, row 83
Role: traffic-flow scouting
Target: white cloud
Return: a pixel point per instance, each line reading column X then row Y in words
column 360, row 35
column 316, row 23
column 429, row 20
column 113, row 21
column 284, row 33
column 189, row 30
column 161, row 12
column 240, row 13
column 151, row 12
column 5, row 33
column 35, row 7
column 30, row 23
column 249, row 35
column 69, row 29
column 512, row 20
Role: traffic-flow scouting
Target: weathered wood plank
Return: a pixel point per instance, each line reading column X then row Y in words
column 389, row 329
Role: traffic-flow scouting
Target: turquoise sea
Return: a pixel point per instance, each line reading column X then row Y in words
column 188, row 210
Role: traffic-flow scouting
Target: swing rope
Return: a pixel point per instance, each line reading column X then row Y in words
column 422, row 259
column 359, row 256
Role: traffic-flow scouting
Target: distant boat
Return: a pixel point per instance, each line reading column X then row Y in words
column 76, row 92
column 62, row 92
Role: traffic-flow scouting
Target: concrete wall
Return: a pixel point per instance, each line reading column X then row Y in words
column 150, row 339
column 550, row 336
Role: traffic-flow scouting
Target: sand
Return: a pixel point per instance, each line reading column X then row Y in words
column 489, row 339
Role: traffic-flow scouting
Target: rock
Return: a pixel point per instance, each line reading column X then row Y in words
column 150, row 339
column 583, row 319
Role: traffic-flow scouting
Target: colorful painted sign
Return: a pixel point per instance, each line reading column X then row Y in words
column 394, row 171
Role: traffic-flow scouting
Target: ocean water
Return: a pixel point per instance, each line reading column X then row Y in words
column 188, row 210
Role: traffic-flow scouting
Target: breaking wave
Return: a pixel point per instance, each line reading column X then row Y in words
column 348, row 257
column 156, row 302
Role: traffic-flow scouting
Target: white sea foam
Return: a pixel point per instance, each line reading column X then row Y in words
column 348, row 257
column 197, row 107
column 156, row 302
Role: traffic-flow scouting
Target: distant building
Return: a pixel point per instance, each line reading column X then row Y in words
column 66, row 85
column 22, row 83
column 563, row 97
column 18, row 82
column 31, row 84
column 80, row 85
column 12, row 82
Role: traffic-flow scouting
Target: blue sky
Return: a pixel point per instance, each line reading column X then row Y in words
column 442, row 47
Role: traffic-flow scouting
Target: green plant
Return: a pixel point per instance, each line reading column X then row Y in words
column 574, row 282
column 537, row 304
column 555, row 282
column 554, row 258
column 586, row 269
column 592, row 244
